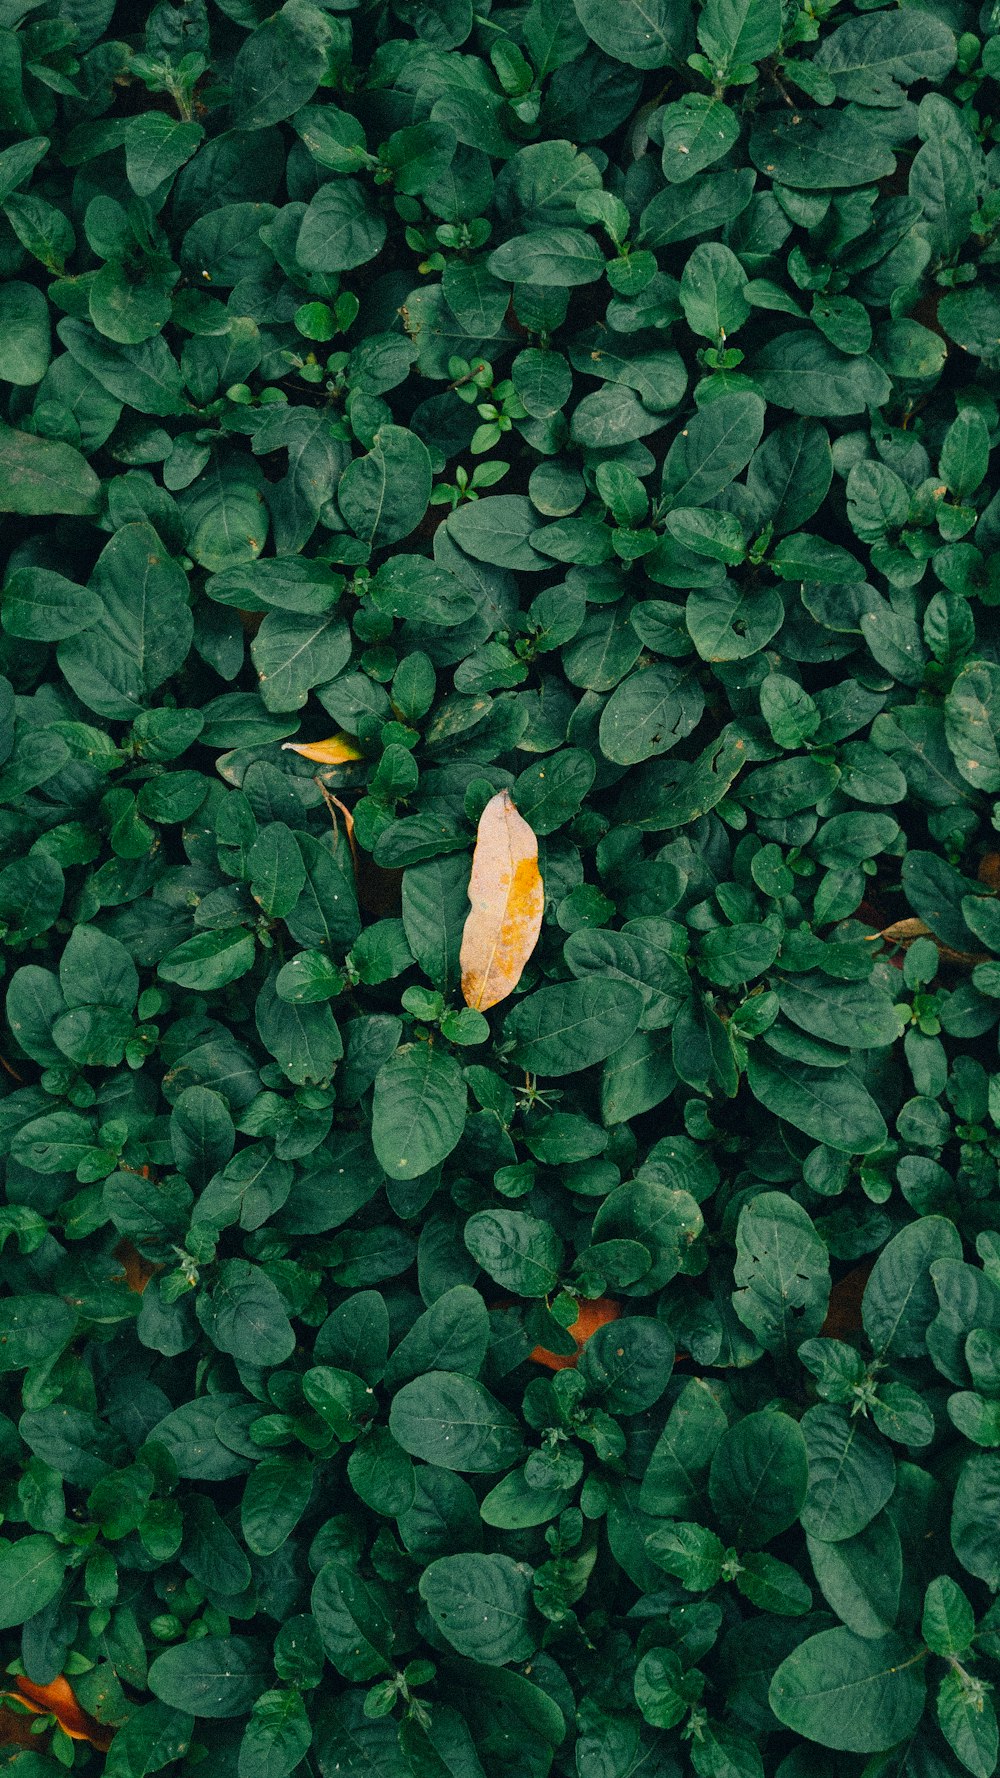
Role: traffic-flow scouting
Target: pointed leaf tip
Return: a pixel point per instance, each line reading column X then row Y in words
column 336, row 750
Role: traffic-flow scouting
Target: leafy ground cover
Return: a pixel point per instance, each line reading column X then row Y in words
column 499, row 725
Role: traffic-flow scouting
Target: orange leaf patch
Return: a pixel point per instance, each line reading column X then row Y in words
column 590, row 1316
column 137, row 1270
column 508, row 900
column 57, row 1699
column 336, row 750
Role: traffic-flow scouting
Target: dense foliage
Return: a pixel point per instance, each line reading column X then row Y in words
column 403, row 406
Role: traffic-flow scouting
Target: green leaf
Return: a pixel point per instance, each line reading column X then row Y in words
column 790, row 474
column 454, row 1422
column 758, row 1477
column 851, row 1475
column 782, row 1272
column 482, row 1606
column 276, row 1738
column 143, row 632
column 643, row 33
column 658, row 1219
column 146, row 376
column 452, row 1335
column 245, row 1315
column 698, row 130
column 38, row 605
column 820, row 151
column 548, row 795
column 860, row 1577
column 275, row 1497
column 660, row 1689
column 965, row 453
column 543, row 381
column 353, row 1621
column 279, row 66
column 519, row 1252
column 31, row 1572
column 649, row 712
column 419, row 1110
column 804, row 372
column 855, row 1014
column 866, row 58
column 692, row 1553
column 210, row 960
column 294, row 654
column 39, row 476
column 497, row 529
column 773, row 1585
column 831, row 1106
column 900, row 1301
column 340, row 229
column 19, row 161
column 156, row 146
column 719, row 442
column 736, row 31
column 674, row 1481
column 561, row 1029
column 849, row 1693
column 712, row 288
column 972, row 724
column 968, row 1721
column 218, row 1676
column 33, row 1328
column 24, row 334
column 384, row 496
column 975, row 1518
column 628, row 1363
column 948, row 1623
column 561, row 257
column 731, row 622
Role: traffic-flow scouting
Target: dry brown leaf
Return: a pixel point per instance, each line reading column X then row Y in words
column 334, row 803
column 57, row 1699
column 843, row 1315
column 15, row 1729
column 136, row 1269
column 903, row 932
column 336, row 750
column 989, row 869
column 379, row 890
column 508, row 900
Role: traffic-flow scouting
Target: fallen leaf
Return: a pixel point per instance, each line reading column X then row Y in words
column 843, row 1315
column 989, row 869
column 379, row 890
column 336, row 750
column 508, row 901
column 138, row 1271
column 334, row 803
column 15, row 1728
column 903, row 932
column 591, row 1315
column 57, row 1699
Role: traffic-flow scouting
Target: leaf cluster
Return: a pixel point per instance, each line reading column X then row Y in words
column 499, row 758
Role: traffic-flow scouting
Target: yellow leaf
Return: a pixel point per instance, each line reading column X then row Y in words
column 508, row 900
column 338, row 750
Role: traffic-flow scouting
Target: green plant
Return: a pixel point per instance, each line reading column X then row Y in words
column 499, row 1101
